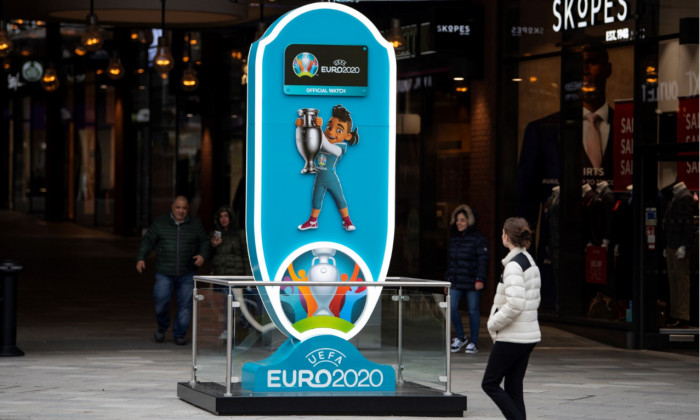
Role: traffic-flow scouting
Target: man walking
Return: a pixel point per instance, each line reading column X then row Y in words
column 181, row 246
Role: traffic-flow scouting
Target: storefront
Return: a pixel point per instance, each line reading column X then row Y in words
column 602, row 99
column 124, row 146
column 112, row 150
column 492, row 110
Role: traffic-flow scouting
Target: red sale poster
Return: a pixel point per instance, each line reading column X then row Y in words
column 687, row 132
column 596, row 264
column 623, row 138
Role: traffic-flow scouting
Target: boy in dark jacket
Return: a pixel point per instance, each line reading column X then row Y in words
column 467, row 269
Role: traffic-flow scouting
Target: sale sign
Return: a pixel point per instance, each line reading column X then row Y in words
column 623, row 140
column 687, row 132
column 596, row 265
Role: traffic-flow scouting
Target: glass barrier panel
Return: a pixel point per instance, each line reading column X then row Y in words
column 406, row 329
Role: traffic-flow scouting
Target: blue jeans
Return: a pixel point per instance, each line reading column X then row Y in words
column 162, row 291
column 473, row 309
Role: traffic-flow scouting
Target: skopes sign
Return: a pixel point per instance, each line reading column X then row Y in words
column 572, row 14
column 321, row 130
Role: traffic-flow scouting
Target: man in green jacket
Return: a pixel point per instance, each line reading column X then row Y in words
column 181, row 246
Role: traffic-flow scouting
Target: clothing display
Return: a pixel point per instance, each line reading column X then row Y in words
column 678, row 225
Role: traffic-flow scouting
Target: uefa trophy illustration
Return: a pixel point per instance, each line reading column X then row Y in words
column 323, row 271
column 308, row 137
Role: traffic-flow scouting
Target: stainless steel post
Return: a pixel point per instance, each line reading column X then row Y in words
column 448, row 353
column 400, row 344
column 229, row 339
column 195, row 299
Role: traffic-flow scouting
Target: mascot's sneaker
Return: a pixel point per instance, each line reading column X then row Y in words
column 347, row 224
column 309, row 224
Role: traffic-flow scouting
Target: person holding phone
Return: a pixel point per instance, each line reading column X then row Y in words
column 230, row 258
column 228, row 242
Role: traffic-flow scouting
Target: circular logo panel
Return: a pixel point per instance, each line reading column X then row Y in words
column 306, row 310
column 305, row 64
column 32, row 71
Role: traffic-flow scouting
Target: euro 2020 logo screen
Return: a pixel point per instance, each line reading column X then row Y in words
column 305, row 64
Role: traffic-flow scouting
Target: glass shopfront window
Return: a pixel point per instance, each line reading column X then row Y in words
column 666, row 130
column 433, row 163
column 583, row 80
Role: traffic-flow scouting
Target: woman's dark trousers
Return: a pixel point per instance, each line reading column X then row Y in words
column 507, row 361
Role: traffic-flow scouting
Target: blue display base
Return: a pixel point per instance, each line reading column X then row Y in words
column 409, row 399
column 324, row 363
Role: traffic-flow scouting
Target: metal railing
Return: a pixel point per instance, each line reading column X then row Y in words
column 401, row 283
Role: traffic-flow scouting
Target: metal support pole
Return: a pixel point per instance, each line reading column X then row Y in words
column 400, row 338
column 8, row 308
column 448, row 353
column 195, row 299
column 229, row 339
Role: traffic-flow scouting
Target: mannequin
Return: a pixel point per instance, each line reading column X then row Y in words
column 585, row 189
column 555, row 193
column 623, row 233
column 588, row 196
column 599, row 187
column 550, row 225
column 678, row 225
column 602, row 215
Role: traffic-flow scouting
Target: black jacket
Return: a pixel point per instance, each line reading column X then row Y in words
column 175, row 244
column 678, row 220
column 467, row 258
column 231, row 256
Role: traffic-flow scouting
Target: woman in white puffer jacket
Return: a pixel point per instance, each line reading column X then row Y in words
column 513, row 322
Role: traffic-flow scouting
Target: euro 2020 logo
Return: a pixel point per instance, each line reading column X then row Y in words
column 305, row 64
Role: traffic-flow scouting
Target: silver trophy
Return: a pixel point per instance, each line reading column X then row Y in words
column 308, row 138
column 323, row 271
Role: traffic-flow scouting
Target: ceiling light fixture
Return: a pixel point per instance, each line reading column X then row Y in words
column 115, row 69
column 395, row 36
column 92, row 38
column 49, row 81
column 189, row 80
column 260, row 27
column 163, row 61
column 5, row 41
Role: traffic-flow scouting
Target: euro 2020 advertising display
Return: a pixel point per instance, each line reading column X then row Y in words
column 320, row 193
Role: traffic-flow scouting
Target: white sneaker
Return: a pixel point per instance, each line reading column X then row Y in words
column 471, row 348
column 457, row 344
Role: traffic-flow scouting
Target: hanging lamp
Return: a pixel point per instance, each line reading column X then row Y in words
column 260, row 28
column 163, row 61
column 395, row 36
column 5, row 41
column 115, row 69
column 189, row 81
column 49, row 81
column 92, row 37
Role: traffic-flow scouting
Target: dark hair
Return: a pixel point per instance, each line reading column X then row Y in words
column 518, row 231
column 463, row 211
column 343, row 114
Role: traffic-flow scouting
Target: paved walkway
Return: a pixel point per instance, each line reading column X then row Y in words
column 85, row 323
